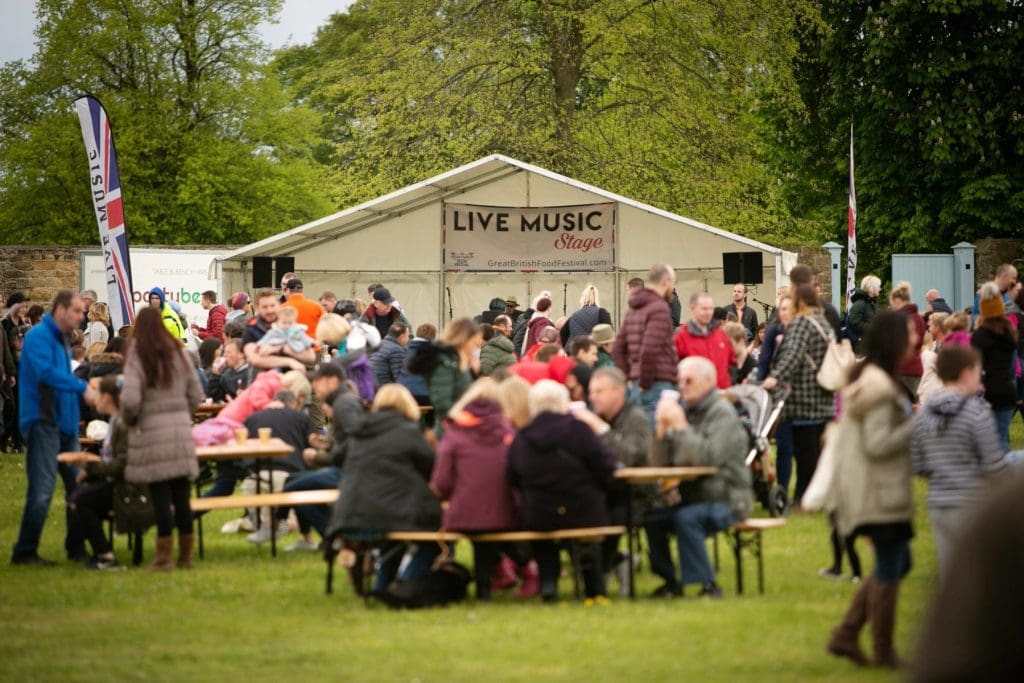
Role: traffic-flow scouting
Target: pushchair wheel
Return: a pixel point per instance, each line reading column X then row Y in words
column 778, row 501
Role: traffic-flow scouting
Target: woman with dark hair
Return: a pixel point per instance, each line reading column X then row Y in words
column 161, row 391
column 996, row 340
column 34, row 314
column 103, row 486
column 871, row 487
column 808, row 406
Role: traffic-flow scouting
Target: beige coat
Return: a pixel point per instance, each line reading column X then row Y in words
column 160, row 443
column 872, row 480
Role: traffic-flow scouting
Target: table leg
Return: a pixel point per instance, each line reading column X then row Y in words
column 630, row 545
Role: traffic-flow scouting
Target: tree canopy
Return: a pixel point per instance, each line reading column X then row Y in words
column 733, row 112
column 211, row 147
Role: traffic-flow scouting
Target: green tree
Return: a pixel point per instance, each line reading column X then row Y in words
column 658, row 100
column 211, row 147
column 934, row 95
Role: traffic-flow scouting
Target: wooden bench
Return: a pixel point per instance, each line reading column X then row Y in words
column 748, row 534
column 261, row 500
column 573, row 536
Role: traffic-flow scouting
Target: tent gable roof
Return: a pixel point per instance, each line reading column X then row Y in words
column 439, row 188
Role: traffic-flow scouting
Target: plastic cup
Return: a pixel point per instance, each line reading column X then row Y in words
column 576, row 406
column 669, row 395
column 264, row 433
column 241, row 435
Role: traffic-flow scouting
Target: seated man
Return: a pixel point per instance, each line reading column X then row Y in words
column 707, row 433
column 345, row 411
column 624, row 428
column 235, row 375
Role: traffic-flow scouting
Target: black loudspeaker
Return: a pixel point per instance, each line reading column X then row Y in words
column 282, row 265
column 743, row 267
column 262, row 272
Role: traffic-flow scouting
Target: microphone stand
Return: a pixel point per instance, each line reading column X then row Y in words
column 451, row 314
column 768, row 308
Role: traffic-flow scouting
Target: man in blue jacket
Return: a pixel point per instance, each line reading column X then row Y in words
column 48, row 398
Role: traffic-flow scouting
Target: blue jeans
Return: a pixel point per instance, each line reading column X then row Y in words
column 44, row 441
column 648, row 398
column 691, row 524
column 314, row 516
column 419, row 564
column 784, row 448
column 1003, row 418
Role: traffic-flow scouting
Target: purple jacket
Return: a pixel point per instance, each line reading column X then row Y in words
column 470, row 469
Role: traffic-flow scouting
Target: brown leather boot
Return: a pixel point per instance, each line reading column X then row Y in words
column 164, row 547
column 845, row 640
column 185, row 545
column 882, row 610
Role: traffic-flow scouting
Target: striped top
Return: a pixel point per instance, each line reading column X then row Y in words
column 954, row 445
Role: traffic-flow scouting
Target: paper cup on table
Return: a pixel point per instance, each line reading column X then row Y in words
column 264, row 433
column 241, row 435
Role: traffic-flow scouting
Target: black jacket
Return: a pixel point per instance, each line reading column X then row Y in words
column 562, row 471
column 386, row 475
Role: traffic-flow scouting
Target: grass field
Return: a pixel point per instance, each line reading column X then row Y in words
column 242, row 612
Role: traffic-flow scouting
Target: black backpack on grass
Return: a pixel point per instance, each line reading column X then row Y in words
column 442, row 585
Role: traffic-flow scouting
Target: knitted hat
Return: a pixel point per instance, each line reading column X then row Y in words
column 239, row 300
column 992, row 308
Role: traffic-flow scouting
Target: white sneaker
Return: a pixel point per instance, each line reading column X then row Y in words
column 302, row 544
column 262, row 535
column 237, row 526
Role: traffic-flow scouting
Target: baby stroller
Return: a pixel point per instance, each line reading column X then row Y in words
column 759, row 413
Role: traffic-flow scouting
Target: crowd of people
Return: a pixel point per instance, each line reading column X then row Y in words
column 518, row 419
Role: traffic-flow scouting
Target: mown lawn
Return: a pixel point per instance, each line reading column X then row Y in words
column 242, row 612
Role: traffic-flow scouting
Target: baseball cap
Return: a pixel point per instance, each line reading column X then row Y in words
column 382, row 295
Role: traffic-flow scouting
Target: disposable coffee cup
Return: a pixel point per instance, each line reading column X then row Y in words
column 264, row 433
column 669, row 395
column 241, row 435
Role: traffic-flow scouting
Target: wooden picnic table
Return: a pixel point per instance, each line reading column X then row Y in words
column 206, row 411
column 77, row 458
column 252, row 448
column 646, row 475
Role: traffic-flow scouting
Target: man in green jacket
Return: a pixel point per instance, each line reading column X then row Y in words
column 708, row 433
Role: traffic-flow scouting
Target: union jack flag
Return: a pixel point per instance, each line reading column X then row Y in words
column 105, row 186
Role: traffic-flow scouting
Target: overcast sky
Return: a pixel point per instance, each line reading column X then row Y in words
column 298, row 22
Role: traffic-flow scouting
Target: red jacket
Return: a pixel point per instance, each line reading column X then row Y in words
column 913, row 366
column 715, row 346
column 214, row 323
column 643, row 348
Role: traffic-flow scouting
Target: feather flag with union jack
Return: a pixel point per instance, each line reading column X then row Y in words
column 105, row 186
column 851, row 234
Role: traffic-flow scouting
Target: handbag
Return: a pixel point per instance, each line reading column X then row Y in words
column 837, row 363
column 817, row 494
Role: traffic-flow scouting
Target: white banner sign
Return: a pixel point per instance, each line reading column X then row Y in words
column 183, row 274
column 512, row 239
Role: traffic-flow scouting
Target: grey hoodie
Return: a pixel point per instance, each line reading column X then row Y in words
column 954, row 445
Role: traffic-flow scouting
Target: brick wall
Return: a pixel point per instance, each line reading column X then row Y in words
column 990, row 253
column 38, row 271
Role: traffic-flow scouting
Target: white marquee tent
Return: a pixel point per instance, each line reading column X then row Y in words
column 398, row 240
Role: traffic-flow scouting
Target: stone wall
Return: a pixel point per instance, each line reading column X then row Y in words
column 990, row 253
column 38, row 271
